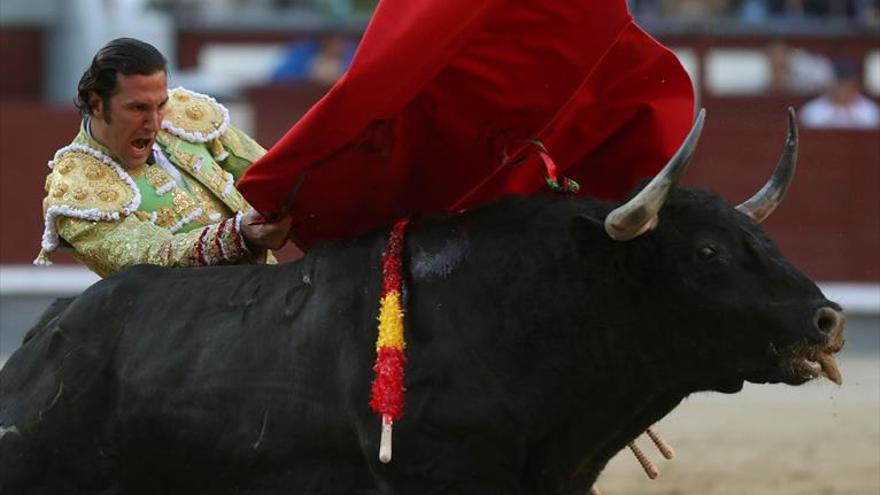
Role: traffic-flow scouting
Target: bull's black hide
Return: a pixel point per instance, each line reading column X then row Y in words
column 538, row 347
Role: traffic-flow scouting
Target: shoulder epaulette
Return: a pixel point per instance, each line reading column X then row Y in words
column 87, row 184
column 194, row 117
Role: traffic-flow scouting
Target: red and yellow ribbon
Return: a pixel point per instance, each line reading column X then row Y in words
column 388, row 390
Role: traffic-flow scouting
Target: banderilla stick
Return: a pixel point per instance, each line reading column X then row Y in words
column 662, row 446
column 649, row 468
column 385, row 440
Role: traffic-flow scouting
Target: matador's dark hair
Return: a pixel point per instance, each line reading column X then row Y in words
column 124, row 56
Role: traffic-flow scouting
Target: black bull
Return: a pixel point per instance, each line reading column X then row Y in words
column 538, row 347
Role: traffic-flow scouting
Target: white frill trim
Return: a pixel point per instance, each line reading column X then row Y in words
column 215, row 217
column 185, row 220
column 241, row 241
column 198, row 137
column 41, row 260
column 154, row 216
column 50, row 234
column 230, row 185
column 164, row 188
column 222, row 156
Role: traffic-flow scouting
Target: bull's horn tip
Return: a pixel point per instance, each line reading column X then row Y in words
column 698, row 122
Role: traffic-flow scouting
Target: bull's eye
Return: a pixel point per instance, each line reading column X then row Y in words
column 706, row 253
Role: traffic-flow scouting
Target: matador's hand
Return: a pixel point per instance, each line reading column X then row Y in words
column 262, row 234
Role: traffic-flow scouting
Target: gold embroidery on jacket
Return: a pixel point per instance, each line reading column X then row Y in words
column 157, row 177
column 165, row 217
column 82, row 181
column 193, row 114
column 210, row 203
column 183, row 203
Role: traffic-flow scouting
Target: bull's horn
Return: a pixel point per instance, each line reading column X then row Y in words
column 639, row 214
column 762, row 204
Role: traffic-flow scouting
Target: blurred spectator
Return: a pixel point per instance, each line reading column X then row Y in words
column 696, row 9
column 646, row 9
column 812, row 8
column 868, row 11
column 753, row 10
column 865, row 11
column 320, row 59
column 794, row 70
column 773, row 11
column 842, row 106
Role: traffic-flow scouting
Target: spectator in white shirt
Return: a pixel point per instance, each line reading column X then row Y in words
column 842, row 106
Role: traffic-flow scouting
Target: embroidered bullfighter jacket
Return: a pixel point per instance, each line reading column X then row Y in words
column 182, row 209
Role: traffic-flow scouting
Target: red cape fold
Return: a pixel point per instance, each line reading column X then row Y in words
column 438, row 106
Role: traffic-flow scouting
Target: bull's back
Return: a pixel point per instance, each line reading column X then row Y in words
column 244, row 366
column 224, row 364
column 52, row 395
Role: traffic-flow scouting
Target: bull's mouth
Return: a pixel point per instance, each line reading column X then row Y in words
column 801, row 363
column 808, row 364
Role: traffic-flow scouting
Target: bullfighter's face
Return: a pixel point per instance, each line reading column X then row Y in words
column 129, row 121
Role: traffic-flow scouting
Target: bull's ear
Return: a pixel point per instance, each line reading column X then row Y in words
column 587, row 229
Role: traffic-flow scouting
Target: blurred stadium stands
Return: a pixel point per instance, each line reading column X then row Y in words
column 749, row 60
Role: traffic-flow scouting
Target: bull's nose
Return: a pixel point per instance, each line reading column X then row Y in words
column 828, row 321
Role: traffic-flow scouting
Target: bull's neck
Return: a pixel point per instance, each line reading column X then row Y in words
column 607, row 408
column 575, row 356
column 609, row 372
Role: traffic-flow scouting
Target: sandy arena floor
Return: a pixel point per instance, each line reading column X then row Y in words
column 813, row 439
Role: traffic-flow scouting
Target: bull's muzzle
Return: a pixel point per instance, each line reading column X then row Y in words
column 829, row 322
column 816, row 361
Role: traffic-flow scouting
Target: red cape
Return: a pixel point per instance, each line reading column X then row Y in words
column 436, row 110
